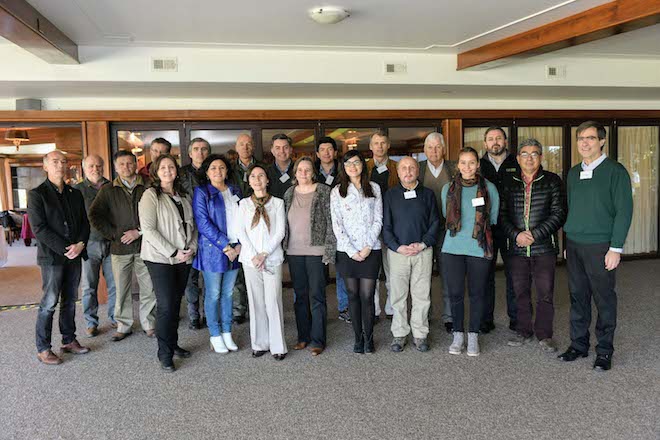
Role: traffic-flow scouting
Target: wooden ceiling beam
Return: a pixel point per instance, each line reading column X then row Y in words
column 593, row 24
column 24, row 26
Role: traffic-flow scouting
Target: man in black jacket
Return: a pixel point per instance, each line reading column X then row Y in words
column 59, row 221
column 495, row 165
column 532, row 210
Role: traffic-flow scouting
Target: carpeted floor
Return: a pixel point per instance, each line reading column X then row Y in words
column 20, row 278
column 119, row 391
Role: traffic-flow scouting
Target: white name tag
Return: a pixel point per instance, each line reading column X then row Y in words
column 284, row 177
column 329, row 180
column 410, row 194
column 235, row 199
column 586, row 174
column 479, row 201
column 381, row 169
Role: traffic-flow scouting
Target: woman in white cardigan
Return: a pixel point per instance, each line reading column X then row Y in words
column 261, row 231
column 169, row 242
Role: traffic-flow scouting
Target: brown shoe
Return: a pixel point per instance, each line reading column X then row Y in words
column 317, row 351
column 300, row 346
column 75, row 348
column 49, row 358
column 92, row 331
column 113, row 325
column 119, row 336
column 151, row 333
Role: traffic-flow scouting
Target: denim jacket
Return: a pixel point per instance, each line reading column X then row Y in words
column 211, row 218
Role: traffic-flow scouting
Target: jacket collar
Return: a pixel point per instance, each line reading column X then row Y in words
column 139, row 180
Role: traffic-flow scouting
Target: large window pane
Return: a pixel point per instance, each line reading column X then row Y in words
column 575, row 154
column 221, row 140
column 638, row 152
column 474, row 137
column 352, row 138
column 552, row 140
column 303, row 141
column 138, row 141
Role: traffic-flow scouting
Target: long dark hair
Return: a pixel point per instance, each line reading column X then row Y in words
column 201, row 173
column 344, row 180
column 155, row 180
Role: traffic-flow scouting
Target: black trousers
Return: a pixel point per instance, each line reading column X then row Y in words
column 169, row 282
column 456, row 268
column 499, row 245
column 308, row 278
column 58, row 282
column 587, row 278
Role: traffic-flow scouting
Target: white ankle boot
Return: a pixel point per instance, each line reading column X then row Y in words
column 229, row 342
column 218, row 345
column 473, row 344
column 456, row 347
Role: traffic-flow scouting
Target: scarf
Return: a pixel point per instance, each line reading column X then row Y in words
column 481, row 232
column 260, row 210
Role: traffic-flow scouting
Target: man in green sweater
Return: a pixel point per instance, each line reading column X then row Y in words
column 600, row 209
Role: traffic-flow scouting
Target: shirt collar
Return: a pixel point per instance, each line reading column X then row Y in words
column 494, row 162
column 380, row 164
column 435, row 171
column 285, row 170
column 406, row 189
column 322, row 171
column 592, row 166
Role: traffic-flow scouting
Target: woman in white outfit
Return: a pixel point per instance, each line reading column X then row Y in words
column 261, row 231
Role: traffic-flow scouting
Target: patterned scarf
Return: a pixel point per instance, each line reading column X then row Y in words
column 260, row 210
column 481, row 232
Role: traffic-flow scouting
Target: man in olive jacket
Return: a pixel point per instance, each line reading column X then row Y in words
column 114, row 213
column 532, row 210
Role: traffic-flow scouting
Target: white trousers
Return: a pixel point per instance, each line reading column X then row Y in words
column 265, row 304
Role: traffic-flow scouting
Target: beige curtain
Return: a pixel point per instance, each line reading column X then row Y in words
column 638, row 152
column 552, row 140
column 575, row 154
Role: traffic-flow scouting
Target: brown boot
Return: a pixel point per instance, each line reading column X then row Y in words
column 75, row 348
column 92, row 331
column 49, row 358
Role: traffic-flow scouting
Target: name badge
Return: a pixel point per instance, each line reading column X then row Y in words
column 410, row 194
column 586, row 174
column 329, row 180
column 381, row 169
column 235, row 199
column 479, row 201
column 284, row 177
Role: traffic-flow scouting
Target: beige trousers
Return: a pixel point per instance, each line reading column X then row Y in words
column 411, row 274
column 123, row 267
column 265, row 304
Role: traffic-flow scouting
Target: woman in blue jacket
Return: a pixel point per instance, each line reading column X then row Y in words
column 215, row 207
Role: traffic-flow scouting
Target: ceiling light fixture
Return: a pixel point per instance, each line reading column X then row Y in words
column 17, row 136
column 328, row 14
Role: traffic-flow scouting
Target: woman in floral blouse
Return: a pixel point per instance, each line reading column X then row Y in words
column 357, row 218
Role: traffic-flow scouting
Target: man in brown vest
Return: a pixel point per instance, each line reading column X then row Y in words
column 434, row 173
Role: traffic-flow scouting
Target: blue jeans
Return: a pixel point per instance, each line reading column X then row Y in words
column 58, row 281
column 99, row 259
column 342, row 293
column 218, row 301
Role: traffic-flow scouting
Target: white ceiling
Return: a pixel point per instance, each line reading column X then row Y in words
column 414, row 25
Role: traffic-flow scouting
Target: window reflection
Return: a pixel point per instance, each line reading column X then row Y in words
column 221, row 140
column 303, row 141
column 474, row 137
column 352, row 138
column 138, row 141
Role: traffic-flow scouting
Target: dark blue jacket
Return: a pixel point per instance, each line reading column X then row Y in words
column 407, row 221
column 211, row 218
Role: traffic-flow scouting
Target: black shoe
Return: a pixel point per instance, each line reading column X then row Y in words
column 168, row 366
column 239, row 320
column 513, row 326
column 487, row 327
column 376, row 319
column 194, row 324
column 358, row 347
column 258, row 353
column 182, row 353
column 279, row 357
column 449, row 326
column 603, row 362
column 369, row 345
column 571, row 354
column 390, row 317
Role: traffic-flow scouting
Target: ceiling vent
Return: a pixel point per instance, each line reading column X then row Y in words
column 396, row 68
column 555, row 72
column 169, row 64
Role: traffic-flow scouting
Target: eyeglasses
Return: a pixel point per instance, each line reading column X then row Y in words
column 353, row 164
column 587, row 138
column 533, row 155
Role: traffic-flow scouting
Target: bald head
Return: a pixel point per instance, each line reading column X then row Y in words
column 55, row 167
column 408, row 171
column 93, row 167
column 244, row 148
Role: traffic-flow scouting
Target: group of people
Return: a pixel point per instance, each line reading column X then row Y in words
column 231, row 225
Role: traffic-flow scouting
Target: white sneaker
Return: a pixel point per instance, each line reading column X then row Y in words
column 456, row 346
column 218, row 345
column 229, row 342
column 473, row 344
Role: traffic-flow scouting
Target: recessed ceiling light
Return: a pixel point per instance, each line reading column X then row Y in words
column 328, row 14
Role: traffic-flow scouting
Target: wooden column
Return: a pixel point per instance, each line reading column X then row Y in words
column 5, row 185
column 452, row 130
